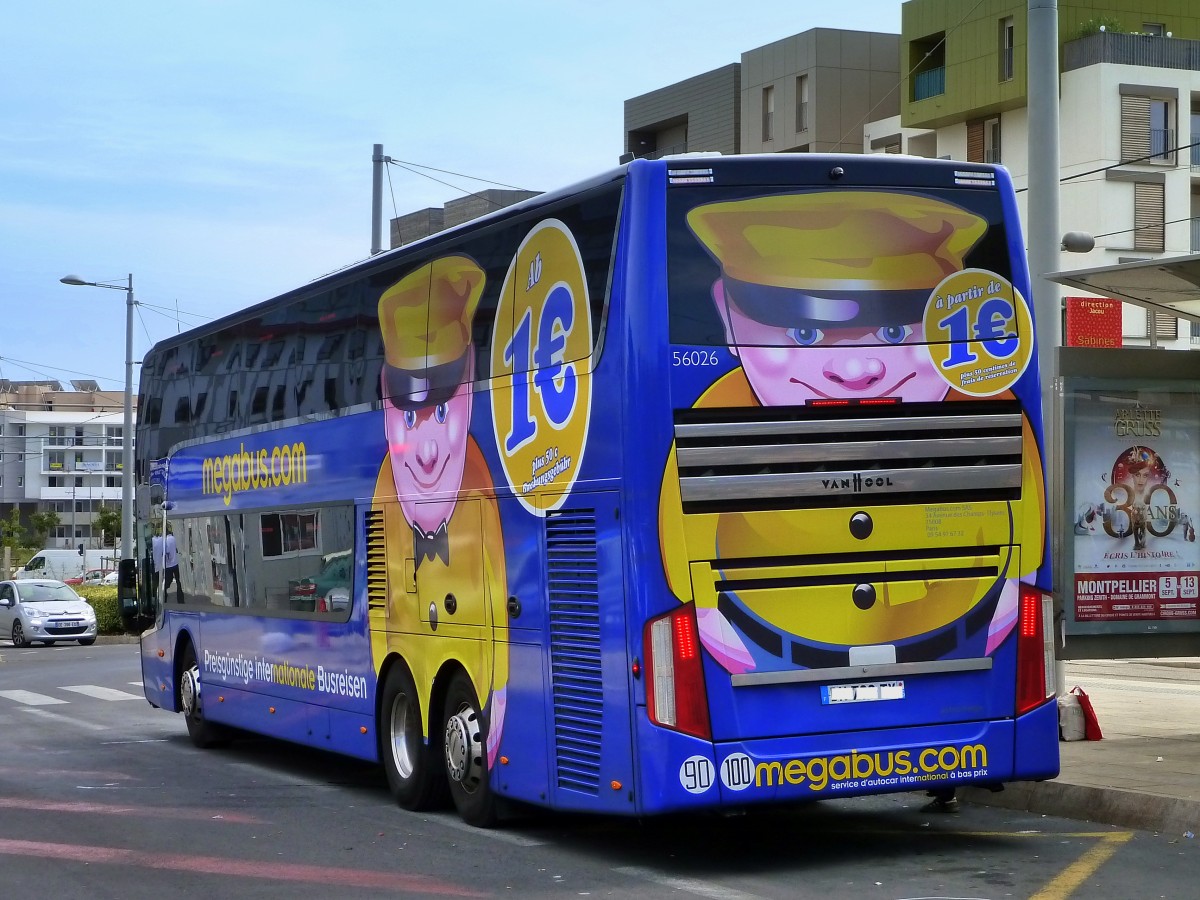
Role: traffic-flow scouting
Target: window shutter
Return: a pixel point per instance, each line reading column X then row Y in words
column 1135, row 128
column 975, row 140
column 1148, row 217
column 1162, row 325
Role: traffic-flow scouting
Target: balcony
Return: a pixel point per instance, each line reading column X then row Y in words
column 1131, row 50
column 1195, row 153
column 930, row 83
column 1195, row 223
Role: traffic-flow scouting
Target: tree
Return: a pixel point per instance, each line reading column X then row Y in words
column 42, row 523
column 11, row 532
column 108, row 520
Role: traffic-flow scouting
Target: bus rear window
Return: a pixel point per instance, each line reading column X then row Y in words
column 763, row 267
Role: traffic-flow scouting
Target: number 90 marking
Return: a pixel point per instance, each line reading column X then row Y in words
column 696, row 774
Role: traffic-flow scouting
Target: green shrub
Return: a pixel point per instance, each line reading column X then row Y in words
column 103, row 600
column 1093, row 26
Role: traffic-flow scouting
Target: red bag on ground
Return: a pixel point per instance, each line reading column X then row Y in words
column 1091, row 725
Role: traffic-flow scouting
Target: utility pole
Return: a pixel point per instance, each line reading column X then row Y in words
column 377, row 161
column 1045, row 242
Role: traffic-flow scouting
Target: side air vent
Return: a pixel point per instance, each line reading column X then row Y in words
column 775, row 457
column 576, row 683
column 376, row 561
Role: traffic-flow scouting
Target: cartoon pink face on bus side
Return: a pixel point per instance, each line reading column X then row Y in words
column 811, row 360
column 428, row 449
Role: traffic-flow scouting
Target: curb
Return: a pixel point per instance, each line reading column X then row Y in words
column 1107, row 806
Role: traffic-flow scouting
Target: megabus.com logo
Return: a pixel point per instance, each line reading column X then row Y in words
column 248, row 470
column 891, row 767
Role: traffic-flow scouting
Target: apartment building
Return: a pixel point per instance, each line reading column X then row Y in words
column 1129, row 115
column 61, row 451
column 811, row 92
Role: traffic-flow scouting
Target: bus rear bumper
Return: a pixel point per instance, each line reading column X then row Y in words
column 696, row 774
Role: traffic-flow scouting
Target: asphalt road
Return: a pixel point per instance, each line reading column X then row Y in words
column 103, row 796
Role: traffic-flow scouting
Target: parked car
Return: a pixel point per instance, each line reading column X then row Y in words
column 41, row 609
column 328, row 590
column 93, row 577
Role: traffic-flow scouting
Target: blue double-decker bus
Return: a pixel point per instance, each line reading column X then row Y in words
column 708, row 483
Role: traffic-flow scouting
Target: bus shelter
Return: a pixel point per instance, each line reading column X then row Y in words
column 1130, row 489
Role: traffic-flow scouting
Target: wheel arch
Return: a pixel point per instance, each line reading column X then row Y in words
column 182, row 640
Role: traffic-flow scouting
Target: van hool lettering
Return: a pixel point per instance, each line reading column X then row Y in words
column 248, row 470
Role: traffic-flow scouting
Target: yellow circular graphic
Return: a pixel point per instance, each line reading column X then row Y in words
column 979, row 332
column 542, row 346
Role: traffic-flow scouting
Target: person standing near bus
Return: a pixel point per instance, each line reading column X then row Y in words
column 445, row 548
column 166, row 563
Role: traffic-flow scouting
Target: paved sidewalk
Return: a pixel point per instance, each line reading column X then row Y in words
column 1145, row 773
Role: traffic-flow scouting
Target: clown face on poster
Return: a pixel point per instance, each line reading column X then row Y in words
column 1136, row 499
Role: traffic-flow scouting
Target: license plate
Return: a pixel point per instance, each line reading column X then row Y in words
column 861, row 693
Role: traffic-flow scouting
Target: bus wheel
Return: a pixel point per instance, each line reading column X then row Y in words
column 466, row 754
column 202, row 732
column 410, row 763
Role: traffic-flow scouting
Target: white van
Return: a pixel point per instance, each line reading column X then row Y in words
column 64, row 564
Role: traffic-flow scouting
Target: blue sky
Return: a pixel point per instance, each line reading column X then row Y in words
column 220, row 151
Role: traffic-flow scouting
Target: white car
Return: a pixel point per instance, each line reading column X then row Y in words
column 93, row 577
column 39, row 609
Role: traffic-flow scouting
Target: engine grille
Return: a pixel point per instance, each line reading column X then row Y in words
column 756, row 458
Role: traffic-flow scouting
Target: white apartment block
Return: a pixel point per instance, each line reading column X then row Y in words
column 61, row 451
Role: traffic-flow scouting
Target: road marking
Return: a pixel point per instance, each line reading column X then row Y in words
column 691, row 885
column 29, row 698
column 110, row 809
column 100, row 693
column 67, row 720
column 1074, row 875
column 239, row 868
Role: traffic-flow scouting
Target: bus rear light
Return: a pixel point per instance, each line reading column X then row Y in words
column 675, row 693
column 1035, row 649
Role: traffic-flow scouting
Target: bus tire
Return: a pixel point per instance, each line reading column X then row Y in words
column 465, row 754
column 411, row 764
column 204, row 734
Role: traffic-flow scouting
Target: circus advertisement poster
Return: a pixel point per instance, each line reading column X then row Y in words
column 1136, row 500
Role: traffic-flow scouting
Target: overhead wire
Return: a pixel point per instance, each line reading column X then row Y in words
column 406, row 166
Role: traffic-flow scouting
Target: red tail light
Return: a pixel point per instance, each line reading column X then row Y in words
column 675, row 693
column 1035, row 649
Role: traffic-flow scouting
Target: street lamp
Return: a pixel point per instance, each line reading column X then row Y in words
column 127, row 430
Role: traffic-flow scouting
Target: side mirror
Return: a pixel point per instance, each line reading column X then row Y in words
column 6, row 602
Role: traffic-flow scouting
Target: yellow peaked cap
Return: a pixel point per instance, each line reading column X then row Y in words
column 838, row 240
column 426, row 316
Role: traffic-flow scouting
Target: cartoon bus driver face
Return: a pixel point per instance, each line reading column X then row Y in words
column 426, row 322
column 822, row 295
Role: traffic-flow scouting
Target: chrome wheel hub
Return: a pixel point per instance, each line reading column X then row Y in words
column 464, row 748
column 189, row 691
column 402, row 753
